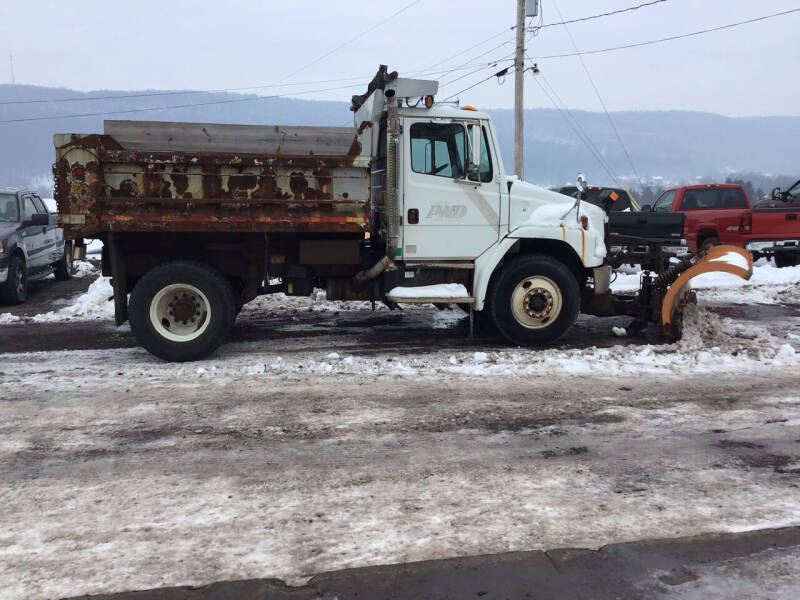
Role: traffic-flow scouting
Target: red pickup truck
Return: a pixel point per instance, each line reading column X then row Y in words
column 723, row 214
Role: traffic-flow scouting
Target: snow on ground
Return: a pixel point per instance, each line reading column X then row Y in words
column 84, row 268
column 768, row 285
column 710, row 344
column 135, row 484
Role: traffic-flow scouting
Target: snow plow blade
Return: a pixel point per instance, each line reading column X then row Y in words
column 727, row 259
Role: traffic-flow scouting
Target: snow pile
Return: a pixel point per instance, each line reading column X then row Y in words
column 768, row 285
column 7, row 318
column 442, row 290
column 710, row 345
column 449, row 318
column 84, row 268
column 94, row 304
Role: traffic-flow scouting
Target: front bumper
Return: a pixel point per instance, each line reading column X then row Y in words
column 762, row 246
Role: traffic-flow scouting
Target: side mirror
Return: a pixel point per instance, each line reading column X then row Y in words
column 37, row 220
column 646, row 208
column 581, row 183
column 776, row 194
column 476, row 147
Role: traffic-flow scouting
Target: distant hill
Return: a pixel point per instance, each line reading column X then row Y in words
column 666, row 146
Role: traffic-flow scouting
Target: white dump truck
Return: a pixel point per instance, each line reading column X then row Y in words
column 412, row 204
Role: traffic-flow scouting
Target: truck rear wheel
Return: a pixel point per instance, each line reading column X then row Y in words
column 182, row 311
column 786, row 259
column 64, row 268
column 535, row 300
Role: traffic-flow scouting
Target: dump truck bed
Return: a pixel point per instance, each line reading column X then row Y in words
column 196, row 177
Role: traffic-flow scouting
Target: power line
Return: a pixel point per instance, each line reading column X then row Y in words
column 501, row 73
column 672, row 37
column 353, row 39
column 482, row 68
column 606, row 14
column 539, row 26
column 599, row 97
column 221, row 90
column 572, row 121
column 465, row 50
column 151, row 108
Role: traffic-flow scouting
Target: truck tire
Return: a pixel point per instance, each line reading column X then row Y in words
column 535, row 300
column 15, row 289
column 786, row 259
column 182, row 311
column 64, row 269
column 709, row 241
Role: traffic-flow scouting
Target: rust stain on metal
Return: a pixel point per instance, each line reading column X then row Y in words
column 115, row 187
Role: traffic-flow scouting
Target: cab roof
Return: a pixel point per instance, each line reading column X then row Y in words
column 441, row 111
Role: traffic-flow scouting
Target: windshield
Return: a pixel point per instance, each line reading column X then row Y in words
column 9, row 211
column 794, row 191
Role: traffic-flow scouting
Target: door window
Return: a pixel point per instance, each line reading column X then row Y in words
column 664, row 203
column 40, row 207
column 437, row 149
column 713, row 198
column 28, row 208
column 485, row 172
column 9, row 211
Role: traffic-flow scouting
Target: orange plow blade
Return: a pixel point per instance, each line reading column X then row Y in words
column 726, row 259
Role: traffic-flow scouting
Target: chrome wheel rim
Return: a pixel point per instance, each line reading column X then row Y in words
column 180, row 312
column 536, row 302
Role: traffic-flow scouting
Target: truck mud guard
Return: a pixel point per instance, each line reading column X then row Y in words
column 119, row 279
column 726, row 259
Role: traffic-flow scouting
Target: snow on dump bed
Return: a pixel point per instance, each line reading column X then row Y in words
column 442, row 290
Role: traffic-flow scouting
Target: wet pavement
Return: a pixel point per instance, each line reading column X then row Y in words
column 760, row 564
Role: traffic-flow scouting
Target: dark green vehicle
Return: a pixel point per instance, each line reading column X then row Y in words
column 31, row 245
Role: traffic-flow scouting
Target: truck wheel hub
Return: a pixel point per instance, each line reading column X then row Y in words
column 536, row 302
column 539, row 302
column 180, row 312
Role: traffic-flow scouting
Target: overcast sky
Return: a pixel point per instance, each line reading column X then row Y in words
column 197, row 44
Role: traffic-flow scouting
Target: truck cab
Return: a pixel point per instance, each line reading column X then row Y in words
column 715, row 213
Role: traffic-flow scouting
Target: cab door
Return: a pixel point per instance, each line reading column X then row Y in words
column 449, row 214
column 34, row 237
column 51, row 245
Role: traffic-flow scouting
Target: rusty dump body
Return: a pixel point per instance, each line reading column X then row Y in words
column 143, row 176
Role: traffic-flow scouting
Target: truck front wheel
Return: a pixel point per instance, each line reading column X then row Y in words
column 182, row 311
column 535, row 300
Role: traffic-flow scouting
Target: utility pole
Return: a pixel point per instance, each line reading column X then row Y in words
column 519, row 75
column 11, row 66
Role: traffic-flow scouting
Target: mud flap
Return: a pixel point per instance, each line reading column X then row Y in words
column 726, row 259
